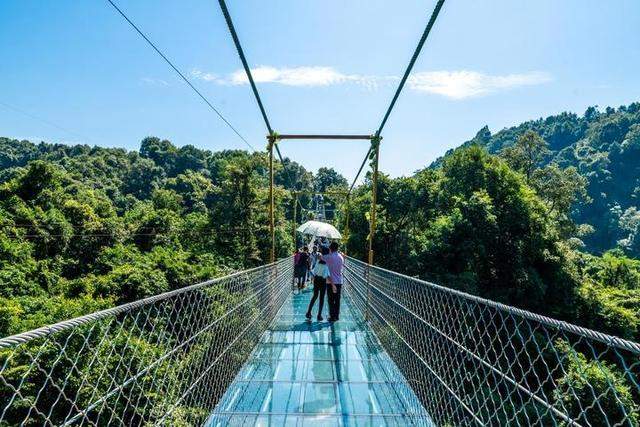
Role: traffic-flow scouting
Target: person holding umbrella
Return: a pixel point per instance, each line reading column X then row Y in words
column 321, row 278
column 319, row 229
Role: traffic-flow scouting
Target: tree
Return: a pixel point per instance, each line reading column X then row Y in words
column 162, row 152
column 233, row 208
column 39, row 176
column 132, row 282
column 328, row 177
column 561, row 189
column 143, row 178
column 527, row 154
column 330, row 181
column 629, row 223
column 193, row 187
column 473, row 224
column 594, row 391
column 167, row 199
column 16, row 153
column 190, row 158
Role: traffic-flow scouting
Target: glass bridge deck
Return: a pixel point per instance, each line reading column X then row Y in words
column 319, row 374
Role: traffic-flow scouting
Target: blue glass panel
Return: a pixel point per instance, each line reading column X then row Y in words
column 360, row 370
column 320, row 398
column 319, row 374
column 289, row 370
column 320, row 370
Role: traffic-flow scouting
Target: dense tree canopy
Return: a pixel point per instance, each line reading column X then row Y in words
column 603, row 147
column 89, row 227
column 509, row 226
column 474, row 225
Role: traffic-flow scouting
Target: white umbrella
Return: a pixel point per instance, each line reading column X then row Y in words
column 319, row 229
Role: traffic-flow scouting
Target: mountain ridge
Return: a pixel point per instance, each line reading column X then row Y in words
column 604, row 147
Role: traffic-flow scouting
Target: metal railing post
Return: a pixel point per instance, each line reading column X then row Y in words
column 295, row 214
column 346, row 225
column 375, row 143
column 272, row 256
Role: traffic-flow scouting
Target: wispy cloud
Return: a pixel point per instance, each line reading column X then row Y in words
column 466, row 84
column 207, row 77
column 458, row 84
column 312, row 76
column 154, row 82
column 299, row 76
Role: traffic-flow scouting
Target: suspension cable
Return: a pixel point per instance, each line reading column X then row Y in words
column 364, row 161
column 247, row 70
column 425, row 34
column 416, row 53
column 159, row 52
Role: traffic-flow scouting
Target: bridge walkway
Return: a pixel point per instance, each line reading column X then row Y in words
column 319, row 374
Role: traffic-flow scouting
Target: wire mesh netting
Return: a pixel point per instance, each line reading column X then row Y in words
column 163, row 360
column 476, row 362
column 168, row 359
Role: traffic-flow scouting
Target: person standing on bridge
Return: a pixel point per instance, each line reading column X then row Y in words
column 314, row 256
column 301, row 267
column 335, row 262
column 321, row 278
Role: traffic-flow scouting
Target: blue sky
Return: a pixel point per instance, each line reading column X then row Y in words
column 81, row 74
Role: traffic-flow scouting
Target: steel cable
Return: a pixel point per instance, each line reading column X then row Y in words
column 414, row 57
column 182, row 76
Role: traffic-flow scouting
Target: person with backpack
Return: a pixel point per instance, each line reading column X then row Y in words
column 320, row 278
column 296, row 257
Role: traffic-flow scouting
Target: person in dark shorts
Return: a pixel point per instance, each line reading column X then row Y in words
column 320, row 278
column 335, row 262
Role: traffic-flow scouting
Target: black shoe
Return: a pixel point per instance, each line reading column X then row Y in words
column 320, row 318
column 308, row 316
column 330, row 320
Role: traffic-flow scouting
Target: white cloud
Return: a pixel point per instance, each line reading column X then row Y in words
column 466, row 84
column 458, row 84
column 312, row 76
column 207, row 77
column 154, row 82
column 298, row 76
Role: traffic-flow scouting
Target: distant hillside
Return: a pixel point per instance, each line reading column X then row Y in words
column 605, row 148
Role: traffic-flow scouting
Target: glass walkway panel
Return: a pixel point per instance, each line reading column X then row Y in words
column 319, row 374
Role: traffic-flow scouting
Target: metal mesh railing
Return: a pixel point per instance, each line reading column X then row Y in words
column 476, row 362
column 162, row 360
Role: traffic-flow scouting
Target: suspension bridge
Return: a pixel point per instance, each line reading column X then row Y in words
column 237, row 350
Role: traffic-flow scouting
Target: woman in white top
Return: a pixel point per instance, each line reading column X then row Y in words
column 321, row 277
column 313, row 258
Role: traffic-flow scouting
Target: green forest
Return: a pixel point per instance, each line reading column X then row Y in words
column 603, row 148
column 541, row 216
column 84, row 228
